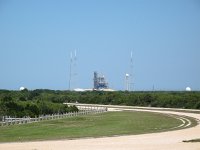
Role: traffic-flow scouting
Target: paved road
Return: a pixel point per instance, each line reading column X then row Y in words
column 171, row 140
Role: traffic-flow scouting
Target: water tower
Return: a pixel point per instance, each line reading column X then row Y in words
column 127, row 82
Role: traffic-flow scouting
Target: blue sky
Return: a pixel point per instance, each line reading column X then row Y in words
column 36, row 38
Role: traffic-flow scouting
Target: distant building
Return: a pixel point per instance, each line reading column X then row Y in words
column 22, row 88
column 99, row 82
column 188, row 89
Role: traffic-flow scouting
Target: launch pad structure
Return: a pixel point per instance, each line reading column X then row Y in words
column 100, row 82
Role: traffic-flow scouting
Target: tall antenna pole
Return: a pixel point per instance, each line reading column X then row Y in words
column 131, row 72
column 70, row 70
column 75, row 69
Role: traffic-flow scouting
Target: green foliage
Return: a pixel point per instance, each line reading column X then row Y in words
column 32, row 103
column 188, row 100
column 43, row 101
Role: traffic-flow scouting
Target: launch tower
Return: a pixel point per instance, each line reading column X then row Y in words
column 99, row 82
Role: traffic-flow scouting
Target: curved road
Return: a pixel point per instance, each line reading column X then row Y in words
column 171, row 140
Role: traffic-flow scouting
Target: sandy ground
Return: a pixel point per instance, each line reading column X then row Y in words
column 171, row 140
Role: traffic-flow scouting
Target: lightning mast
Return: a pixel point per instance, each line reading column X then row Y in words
column 72, row 71
column 131, row 72
column 75, row 69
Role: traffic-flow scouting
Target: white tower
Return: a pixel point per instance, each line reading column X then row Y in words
column 127, row 82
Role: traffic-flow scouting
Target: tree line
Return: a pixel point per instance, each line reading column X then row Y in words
column 44, row 101
column 31, row 103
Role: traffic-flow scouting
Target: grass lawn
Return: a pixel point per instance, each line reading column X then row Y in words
column 106, row 124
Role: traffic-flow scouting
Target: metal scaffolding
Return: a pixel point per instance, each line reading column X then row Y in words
column 99, row 82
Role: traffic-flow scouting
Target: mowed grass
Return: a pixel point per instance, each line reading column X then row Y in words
column 106, row 124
